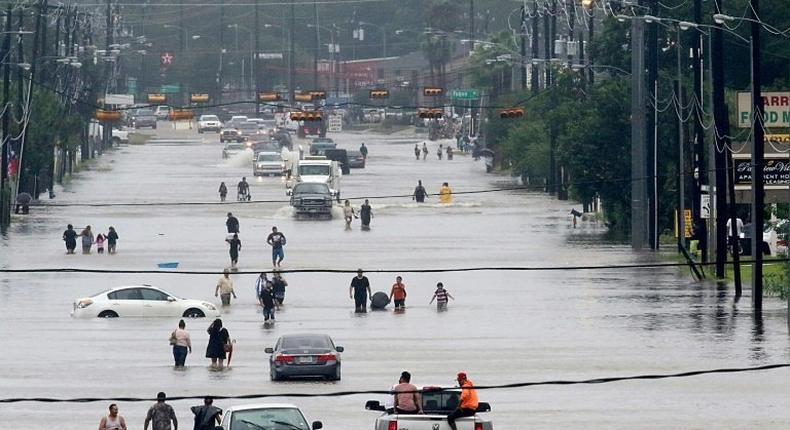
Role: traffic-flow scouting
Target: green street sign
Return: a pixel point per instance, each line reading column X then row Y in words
column 170, row 89
column 465, row 94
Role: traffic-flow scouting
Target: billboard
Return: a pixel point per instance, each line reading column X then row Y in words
column 777, row 109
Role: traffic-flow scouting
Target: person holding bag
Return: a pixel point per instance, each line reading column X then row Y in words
column 182, row 344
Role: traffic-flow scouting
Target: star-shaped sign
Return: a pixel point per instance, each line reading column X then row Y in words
column 167, row 58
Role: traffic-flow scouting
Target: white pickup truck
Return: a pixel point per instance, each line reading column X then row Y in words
column 316, row 169
column 437, row 403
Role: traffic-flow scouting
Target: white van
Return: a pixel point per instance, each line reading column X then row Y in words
column 162, row 112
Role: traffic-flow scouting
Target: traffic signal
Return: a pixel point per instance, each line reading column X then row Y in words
column 306, row 116
column 199, row 98
column 303, row 97
column 430, row 113
column 379, row 94
column 511, row 113
column 432, row 91
column 318, row 95
column 108, row 115
column 180, row 114
column 269, row 96
column 157, row 98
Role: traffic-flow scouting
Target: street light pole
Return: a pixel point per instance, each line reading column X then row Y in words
column 5, row 190
column 255, row 60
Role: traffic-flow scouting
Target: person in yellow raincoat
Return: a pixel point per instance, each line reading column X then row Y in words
column 445, row 194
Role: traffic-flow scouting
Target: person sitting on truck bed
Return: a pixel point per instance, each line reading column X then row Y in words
column 407, row 399
column 468, row 406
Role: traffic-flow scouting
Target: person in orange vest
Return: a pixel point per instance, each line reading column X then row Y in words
column 468, row 404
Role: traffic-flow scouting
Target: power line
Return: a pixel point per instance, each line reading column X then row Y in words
column 593, row 381
column 354, row 270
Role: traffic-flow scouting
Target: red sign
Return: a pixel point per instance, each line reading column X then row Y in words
column 167, row 58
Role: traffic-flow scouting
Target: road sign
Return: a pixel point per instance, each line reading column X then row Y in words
column 335, row 123
column 704, row 207
column 270, row 55
column 465, row 94
column 119, row 99
column 170, row 89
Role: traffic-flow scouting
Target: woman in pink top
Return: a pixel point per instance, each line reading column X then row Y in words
column 407, row 399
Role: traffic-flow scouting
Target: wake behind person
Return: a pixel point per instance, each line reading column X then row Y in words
column 359, row 291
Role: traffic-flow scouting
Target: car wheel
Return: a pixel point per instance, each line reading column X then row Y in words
column 194, row 313
column 108, row 314
column 336, row 376
column 154, row 127
column 116, row 141
column 200, row 131
column 274, row 376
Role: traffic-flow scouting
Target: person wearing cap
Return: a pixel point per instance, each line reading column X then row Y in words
column 407, row 397
column 161, row 414
column 359, row 291
column 232, row 223
column 468, row 404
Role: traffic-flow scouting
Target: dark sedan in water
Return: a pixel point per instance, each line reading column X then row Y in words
column 304, row 355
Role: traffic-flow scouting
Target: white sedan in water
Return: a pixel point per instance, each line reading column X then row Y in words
column 141, row 301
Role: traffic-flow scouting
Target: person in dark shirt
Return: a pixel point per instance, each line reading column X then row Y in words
column 279, row 284
column 70, row 237
column 268, row 302
column 276, row 240
column 235, row 247
column 365, row 213
column 419, row 192
column 232, row 223
column 364, row 151
column 112, row 240
column 243, row 190
column 359, row 291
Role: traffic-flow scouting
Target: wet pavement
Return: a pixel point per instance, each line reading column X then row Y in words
column 503, row 327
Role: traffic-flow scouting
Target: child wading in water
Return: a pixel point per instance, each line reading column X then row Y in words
column 100, row 243
column 441, row 295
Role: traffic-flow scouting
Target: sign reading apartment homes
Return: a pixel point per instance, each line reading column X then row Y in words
column 777, row 109
column 776, row 172
column 119, row 99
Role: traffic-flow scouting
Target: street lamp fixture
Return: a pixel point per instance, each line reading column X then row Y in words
column 720, row 18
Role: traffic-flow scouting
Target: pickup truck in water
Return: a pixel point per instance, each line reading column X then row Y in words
column 437, row 403
column 311, row 199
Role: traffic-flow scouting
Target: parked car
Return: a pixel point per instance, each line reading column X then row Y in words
column 119, row 136
column 304, row 355
column 140, row 301
column 162, row 112
column 230, row 135
column 233, row 148
column 355, row 159
column 437, row 403
column 209, row 123
column 144, row 118
column 268, row 163
column 266, row 416
column 339, row 155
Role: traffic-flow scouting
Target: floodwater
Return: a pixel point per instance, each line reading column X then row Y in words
column 503, row 327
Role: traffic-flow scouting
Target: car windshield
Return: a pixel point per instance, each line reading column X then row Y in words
column 297, row 342
column 308, row 188
column 269, row 419
column 209, row 118
column 145, row 112
column 247, row 126
column 235, row 146
column 314, row 170
column 269, row 157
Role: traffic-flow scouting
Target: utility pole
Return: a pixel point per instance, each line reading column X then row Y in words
column 638, row 173
column 591, row 34
column 758, row 158
column 181, row 34
column 316, row 46
column 535, row 84
column 221, row 51
column 547, row 49
column 651, row 137
column 524, row 47
column 681, row 213
column 472, row 25
column 5, row 189
column 31, row 84
column 291, row 52
column 256, row 59
column 700, row 169
column 721, row 150
column 108, row 70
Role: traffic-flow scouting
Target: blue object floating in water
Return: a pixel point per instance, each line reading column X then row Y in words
column 168, row 265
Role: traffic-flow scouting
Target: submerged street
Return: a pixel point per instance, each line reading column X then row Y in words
column 503, row 326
